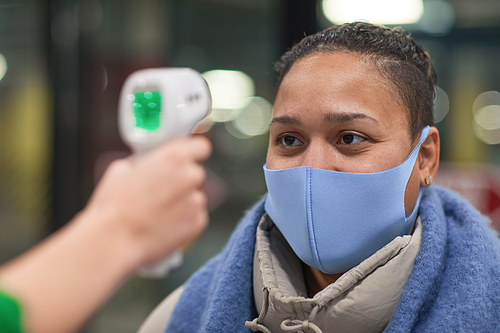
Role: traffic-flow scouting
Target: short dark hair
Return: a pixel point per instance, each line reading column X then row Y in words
column 395, row 54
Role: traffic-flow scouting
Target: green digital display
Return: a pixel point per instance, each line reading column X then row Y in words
column 147, row 110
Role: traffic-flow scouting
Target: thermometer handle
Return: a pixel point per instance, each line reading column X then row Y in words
column 157, row 105
column 162, row 268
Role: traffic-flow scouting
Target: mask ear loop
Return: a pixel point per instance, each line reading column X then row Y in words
column 413, row 213
column 423, row 136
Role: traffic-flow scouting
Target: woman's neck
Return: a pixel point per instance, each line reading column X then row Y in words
column 316, row 280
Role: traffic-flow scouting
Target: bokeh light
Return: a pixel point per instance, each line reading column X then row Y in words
column 381, row 12
column 486, row 123
column 234, row 103
column 488, row 117
column 486, row 98
column 441, row 104
column 230, row 92
column 254, row 119
column 223, row 115
column 3, row 66
column 489, row 137
column 438, row 17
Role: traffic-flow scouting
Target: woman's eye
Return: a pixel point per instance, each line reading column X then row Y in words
column 290, row 141
column 350, row 139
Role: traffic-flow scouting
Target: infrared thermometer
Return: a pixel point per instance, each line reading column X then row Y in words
column 157, row 105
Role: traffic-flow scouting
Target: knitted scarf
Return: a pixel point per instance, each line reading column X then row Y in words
column 454, row 287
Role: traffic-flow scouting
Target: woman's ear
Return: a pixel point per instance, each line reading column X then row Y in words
column 429, row 157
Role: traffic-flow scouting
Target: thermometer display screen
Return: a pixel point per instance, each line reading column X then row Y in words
column 147, row 110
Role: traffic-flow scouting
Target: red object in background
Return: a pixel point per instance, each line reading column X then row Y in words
column 478, row 183
column 494, row 200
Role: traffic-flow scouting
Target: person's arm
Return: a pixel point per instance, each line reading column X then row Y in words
column 141, row 211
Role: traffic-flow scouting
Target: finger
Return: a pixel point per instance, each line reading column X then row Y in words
column 198, row 175
column 199, row 220
column 192, row 176
column 196, row 147
column 199, row 147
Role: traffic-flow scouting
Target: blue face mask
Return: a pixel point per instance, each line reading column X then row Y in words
column 335, row 220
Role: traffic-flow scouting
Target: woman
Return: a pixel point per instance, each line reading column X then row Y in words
column 350, row 237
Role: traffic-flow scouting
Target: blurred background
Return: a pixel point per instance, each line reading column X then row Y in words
column 62, row 64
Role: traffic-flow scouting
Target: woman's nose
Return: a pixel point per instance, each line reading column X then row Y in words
column 320, row 155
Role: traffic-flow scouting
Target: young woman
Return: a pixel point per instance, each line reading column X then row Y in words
column 351, row 236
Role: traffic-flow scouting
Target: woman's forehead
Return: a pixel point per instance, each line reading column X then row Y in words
column 338, row 83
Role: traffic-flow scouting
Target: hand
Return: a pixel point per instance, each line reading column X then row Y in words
column 140, row 212
column 154, row 204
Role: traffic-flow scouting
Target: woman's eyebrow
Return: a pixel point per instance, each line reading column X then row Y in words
column 286, row 120
column 346, row 117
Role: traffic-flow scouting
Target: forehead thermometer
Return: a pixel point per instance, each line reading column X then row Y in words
column 157, row 105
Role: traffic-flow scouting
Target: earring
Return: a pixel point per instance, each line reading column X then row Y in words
column 428, row 180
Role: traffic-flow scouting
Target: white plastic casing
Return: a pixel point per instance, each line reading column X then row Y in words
column 185, row 100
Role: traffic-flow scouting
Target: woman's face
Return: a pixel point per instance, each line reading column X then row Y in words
column 333, row 112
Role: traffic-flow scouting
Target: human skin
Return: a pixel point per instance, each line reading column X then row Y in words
column 140, row 212
column 334, row 111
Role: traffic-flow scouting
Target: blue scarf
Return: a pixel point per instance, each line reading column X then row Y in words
column 454, row 287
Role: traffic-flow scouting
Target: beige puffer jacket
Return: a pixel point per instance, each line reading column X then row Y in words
column 361, row 300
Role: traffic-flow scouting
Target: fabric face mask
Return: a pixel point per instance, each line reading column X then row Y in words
column 335, row 220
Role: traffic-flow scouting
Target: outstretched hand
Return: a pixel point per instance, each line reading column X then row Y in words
column 155, row 201
column 141, row 211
